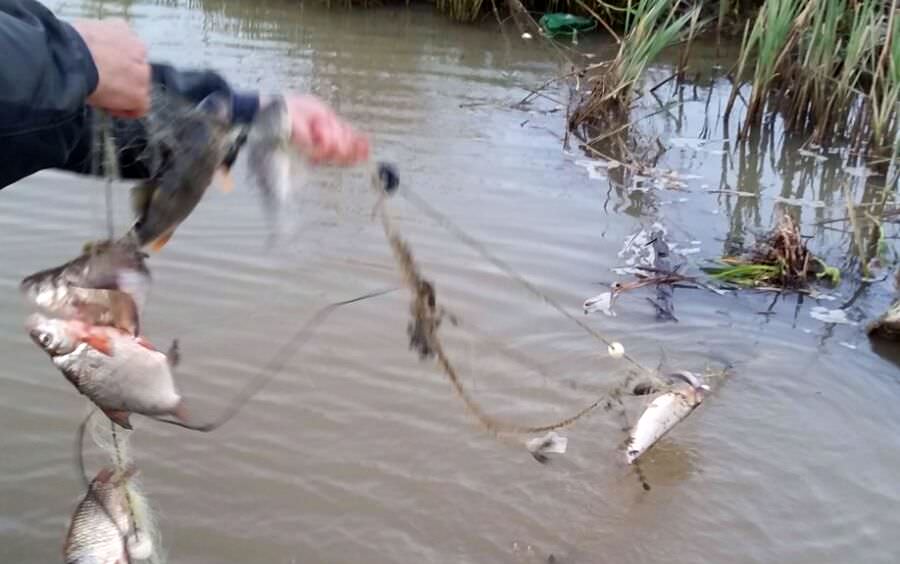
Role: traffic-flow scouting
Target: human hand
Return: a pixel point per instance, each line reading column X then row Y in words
column 320, row 133
column 123, row 88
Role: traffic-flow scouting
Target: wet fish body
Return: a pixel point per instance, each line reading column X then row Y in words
column 96, row 536
column 108, row 284
column 119, row 373
column 190, row 145
column 270, row 158
column 662, row 415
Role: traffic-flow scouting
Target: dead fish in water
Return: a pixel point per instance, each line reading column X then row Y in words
column 195, row 145
column 120, row 373
column 663, row 413
column 100, row 531
column 107, row 284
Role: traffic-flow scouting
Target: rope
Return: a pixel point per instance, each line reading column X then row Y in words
column 423, row 329
column 476, row 245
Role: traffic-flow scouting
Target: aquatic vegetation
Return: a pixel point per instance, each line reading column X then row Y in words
column 651, row 26
column 460, row 10
column 780, row 260
column 830, row 67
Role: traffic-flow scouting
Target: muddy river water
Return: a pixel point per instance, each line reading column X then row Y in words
column 358, row 452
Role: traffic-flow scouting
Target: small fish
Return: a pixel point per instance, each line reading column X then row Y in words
column 270, row 157
column 663, row 413
column 107, row 284
column 98, row 536
column 120, row 373
column 198, row 144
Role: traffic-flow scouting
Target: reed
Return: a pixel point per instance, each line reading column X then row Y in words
column 831, row 67
column 884, row 94
column 464, row 11
column 650, row 27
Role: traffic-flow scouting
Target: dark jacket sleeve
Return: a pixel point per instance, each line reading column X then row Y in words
column 46, row 74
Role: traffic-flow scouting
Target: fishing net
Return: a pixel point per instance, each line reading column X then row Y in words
column 144, row 541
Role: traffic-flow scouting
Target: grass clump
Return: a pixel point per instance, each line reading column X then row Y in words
column 461, row 10
column 650, row 27
column 780, row 260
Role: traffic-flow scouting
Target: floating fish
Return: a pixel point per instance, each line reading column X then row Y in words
column 100, row 531
column 663, row 413
column 120, row 373
column 194, row 146
column 107, row 284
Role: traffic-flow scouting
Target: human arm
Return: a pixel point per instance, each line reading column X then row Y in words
column 317, row 130
column 53, row 73
column 46, row 75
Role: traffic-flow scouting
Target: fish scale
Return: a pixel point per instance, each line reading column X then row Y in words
column 93, row 537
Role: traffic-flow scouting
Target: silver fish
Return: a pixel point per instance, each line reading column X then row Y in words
column 663, row 413
column 120, row 373
column 107, row 284
column 97, row 536
column 270, row 159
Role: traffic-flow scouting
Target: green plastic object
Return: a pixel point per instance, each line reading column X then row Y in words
column 565, row 24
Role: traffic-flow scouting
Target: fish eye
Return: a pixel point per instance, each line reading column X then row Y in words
column 45, row 339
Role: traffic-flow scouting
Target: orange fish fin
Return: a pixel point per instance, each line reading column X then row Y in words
column 161, row 241
column 119, row 417
column 98, row 341
column 224, row 179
